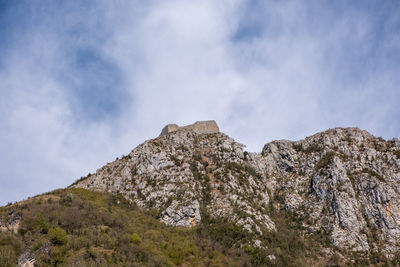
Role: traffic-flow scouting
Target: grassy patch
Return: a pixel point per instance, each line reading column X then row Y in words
column 325, row 160
column 374, row 174
column 312, row 148
column 298, row 147
column 397, row 153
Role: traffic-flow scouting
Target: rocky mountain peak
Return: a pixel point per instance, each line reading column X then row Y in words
column 343, row 182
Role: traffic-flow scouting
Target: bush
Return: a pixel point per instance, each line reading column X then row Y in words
column 7, row 256
column 135, row 238
column 67, row 199
column 298, row 147
column 57, row 236
column 325, row 160
column 109, row 229
column 312, row 148
column 81, row 179
column 10, row 247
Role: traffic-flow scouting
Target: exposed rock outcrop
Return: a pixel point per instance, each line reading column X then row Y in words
column 344, row 182
column 26, row 259
column 206, row 170
column 11, row 224
column 182, row 215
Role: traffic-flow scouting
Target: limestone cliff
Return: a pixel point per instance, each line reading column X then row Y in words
column 343, row 182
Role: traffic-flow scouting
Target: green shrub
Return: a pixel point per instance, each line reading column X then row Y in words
column 81, row 179
column 176, row 161
column 312, row 148
column 7, row 256
column 37, row 244
column 58, row 255
column 10, row 248
column 325, row 160
column 57, row 236
column 252, row 171
column 157, row 144
column 67, row 199
column 135, row 238
column 103, row 235
column 298, row 147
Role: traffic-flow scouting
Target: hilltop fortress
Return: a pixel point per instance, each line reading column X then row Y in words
column 200, row 127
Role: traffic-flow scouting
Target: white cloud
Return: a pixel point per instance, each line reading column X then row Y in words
column 279, row 70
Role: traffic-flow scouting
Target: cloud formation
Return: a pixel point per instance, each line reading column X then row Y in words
column 82, row 84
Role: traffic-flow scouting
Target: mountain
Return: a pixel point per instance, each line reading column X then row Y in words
column 194, row 196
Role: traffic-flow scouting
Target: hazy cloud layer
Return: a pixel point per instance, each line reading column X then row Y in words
column 82, row 84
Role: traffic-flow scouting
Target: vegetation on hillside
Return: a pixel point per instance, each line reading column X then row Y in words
column 77, row 227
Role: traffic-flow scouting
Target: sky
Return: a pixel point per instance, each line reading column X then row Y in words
column 84, row 82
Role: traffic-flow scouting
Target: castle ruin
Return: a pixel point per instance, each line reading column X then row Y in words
column 201, row 127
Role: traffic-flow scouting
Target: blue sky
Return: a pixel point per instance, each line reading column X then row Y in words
column 81, row 84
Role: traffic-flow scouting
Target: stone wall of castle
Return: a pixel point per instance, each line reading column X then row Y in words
column 200, row 127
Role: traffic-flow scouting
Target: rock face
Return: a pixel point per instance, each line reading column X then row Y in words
column 11, row 224
column 178, row 215
column 344, row 182
column 184, row 172
column 200, row 127
column 26, row 259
